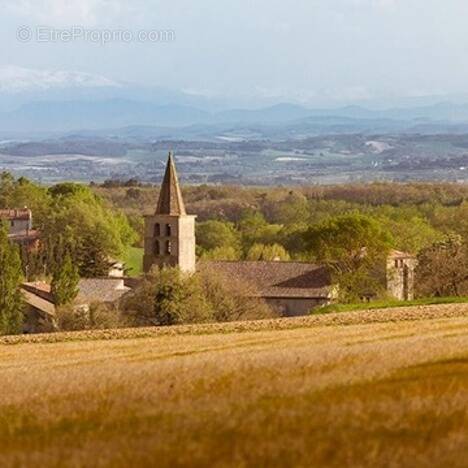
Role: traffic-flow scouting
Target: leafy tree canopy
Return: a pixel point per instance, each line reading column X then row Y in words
column 347, row 238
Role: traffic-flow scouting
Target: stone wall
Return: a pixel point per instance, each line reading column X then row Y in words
column 292, row 307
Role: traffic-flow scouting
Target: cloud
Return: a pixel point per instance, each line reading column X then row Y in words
column 66, row 13
column 372, row 4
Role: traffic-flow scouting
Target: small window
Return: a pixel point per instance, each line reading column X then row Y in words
column 168, row 247
column 396, row 264
column 157, row 249
column 168, row 230
column 157, row 230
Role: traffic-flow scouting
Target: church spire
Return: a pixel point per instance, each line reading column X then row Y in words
column 170, row 198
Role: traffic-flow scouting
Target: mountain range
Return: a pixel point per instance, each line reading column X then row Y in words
column 37, row 103
column 176, row 120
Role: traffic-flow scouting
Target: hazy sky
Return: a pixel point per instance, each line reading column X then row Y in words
column 302, row 49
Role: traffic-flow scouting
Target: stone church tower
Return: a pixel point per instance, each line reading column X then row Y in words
column 170, row 232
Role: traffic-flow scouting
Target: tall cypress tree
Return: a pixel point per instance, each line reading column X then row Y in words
column 11, row 299
column 65, row 282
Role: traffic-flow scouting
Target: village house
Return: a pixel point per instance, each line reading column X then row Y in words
column 20, row 228
column 292, row 288
column 40, row 308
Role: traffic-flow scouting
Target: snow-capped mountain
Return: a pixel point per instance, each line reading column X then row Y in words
column 15, row 79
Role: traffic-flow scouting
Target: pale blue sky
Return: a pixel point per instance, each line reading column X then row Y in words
column 308, row 50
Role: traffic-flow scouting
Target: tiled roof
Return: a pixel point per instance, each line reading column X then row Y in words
column 280, row 279
column 90, row 290
column 170, row 197
column 397, row 254
column 38, row 303
column 38, row 288
column 29, row 235
column 101, row 290
column 23, row 214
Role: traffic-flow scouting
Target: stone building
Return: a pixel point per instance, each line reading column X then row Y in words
column 40, row 313
column 400, row 275
column 292, row 288
column 20, row 229
column 170, row 232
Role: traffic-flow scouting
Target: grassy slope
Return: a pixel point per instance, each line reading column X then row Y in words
column 134, row 260
column 369, row 394
column 390, row 304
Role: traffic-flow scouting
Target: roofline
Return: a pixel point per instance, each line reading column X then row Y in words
column 296, row 297
column 267, row 296
column 162, row 215
column 300, row 262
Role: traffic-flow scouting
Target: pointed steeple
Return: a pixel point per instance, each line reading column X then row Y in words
column 170, row 197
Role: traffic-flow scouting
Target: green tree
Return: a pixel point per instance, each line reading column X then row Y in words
column 410, row 229
column 355, row 247
column 294, row 208
column 81, row 223
column 71, row 218
column 255, row 229
column 64, row 285
column 91, row 255
column 348, row 239
column 267, row 253
column 217, row 234
column 11, row 299
column 221, row 253
column 443, row 269
column 168, row 296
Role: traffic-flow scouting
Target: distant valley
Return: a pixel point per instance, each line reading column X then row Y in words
column 120, row 132
column 312, row 160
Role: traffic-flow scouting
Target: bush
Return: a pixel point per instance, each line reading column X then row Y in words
column 95, row 317
column 167, row 297
column 442, row 269
column 232, row 299
column 170, row 297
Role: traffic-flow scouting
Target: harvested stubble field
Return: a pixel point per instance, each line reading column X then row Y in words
column 380, row 388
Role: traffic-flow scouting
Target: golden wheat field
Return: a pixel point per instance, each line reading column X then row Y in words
column 387, row 388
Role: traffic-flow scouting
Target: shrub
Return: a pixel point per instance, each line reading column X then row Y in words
column 442, row 269
column 167, row 296
column 170, row 297
column 95, row 317
column 232, row 299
